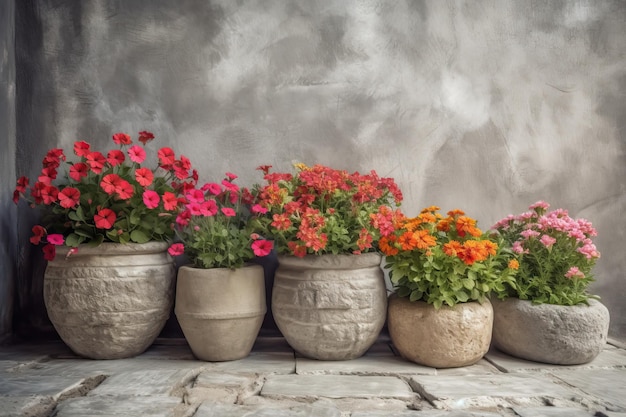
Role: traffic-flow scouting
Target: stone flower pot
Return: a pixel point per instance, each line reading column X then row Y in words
column 446, row 338
column 220, row 310
column 561, row 335
column 330, row 307
column 110, row 301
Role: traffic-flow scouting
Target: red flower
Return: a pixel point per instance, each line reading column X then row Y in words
column 136, row 154
column 49, row 194
column 213, row 188
column 166, row 158
column 230, row 186
column 49, row 252
column 208, row 208
column 104, row 218
column 262, row 247
column 122, row 139
column 38, row 233
column 145, row 137
column 176, row 249
column 124, row 189
column 96, row 161
column 110, row 183
column 151, row 199
column 82, row 148
column 231, row 176
column 170, row 202
column 69, row 197
column 144, row 176
column 264, row 168
column 78, row 171
column 48, row 175
column 115, row 157
column 22, row 183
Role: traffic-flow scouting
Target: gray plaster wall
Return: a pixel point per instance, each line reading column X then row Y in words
column 486, row 105
column 8, row 229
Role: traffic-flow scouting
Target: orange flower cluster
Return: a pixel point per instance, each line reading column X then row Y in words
column 422, row 232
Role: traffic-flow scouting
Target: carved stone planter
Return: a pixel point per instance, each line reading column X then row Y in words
column 110, row 301
column 330, row 307
column 561, row 335
column 220, row 310
column 446, row 338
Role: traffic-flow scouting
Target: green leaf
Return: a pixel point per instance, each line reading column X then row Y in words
column 139, row 236
column 74, row 240
column 471, row 275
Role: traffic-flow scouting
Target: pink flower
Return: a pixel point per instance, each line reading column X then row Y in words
column 213, row 188
column 183, row 218
column 230, row 186
column 137, row 154
column 259, row 209
column 529, row 233
column 231, row 176
column 228, row 212
column 195, row 196
column 539, row 204
column 176, row 249
column 574, row 272
column 262, row 247
column 517, row 247
column 589, row 251
column 547, row 241
column 56, row 239
column 208, row 208
column 151, row 199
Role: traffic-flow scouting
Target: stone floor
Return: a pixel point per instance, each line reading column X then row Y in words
column 48, row 380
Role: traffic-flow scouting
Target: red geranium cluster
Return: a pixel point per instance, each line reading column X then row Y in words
column 323, row 210
column 106, row 197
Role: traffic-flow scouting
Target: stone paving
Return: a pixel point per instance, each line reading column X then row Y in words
column 48, row 380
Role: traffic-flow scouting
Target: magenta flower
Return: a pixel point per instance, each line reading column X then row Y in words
column 56, row 239
column 262, row 247
column 137, row 154
column 228, row 212
column 151, row 199
column 176, row 249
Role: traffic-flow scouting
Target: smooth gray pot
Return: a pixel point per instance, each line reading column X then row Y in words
column 220, row 310
column 561, row 335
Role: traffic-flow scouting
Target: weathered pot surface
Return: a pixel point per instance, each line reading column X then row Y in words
column 446, row 338
column 561, row 335
column 110, row 301
column 330, row 307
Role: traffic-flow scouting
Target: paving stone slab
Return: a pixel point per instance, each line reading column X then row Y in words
column 26, row 406
column 376, row 364
column 258, row 363
column 458, row 392
column 335, row 386
column 47, row 386
column 89, row 367
column 213, row 379
column 154, row 406
column 606, row 385
column 552, row 412
column 305, row 410
column 144, row 383
column 428, row 413
column 608, row 358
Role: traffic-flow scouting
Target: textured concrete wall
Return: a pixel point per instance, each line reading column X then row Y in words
column 487, row 106
column 8, row 229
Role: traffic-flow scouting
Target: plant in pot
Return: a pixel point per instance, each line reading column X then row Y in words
column 443, row 269
column 105, row 222
column 546, row 314
column 329, row 296
column 220, row 295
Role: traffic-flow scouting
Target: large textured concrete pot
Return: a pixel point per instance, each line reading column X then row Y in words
column 330, row 307
column 446, row 338
column 110, row 301
column 220, row 310
column 561, row 335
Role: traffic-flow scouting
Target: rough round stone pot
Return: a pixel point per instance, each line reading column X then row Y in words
column 110, row 301
column 561, row 335
column 446, row 338
column 330, row 307
column 220, row 310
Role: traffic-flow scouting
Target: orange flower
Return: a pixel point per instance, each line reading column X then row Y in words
column 456, row 212
column 424, row 239
column 412, row 224
column 430, row 209
column 452, row 248
column 444, row 225
column 407, row 241
column 464, row 225
column 386, row 245
column 428, row 217
column 513, row 264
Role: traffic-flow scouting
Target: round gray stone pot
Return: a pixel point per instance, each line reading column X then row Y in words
column 220, row 310
column 561, row 335
column 330, row 307
column 450, row 337
column 110, row 301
